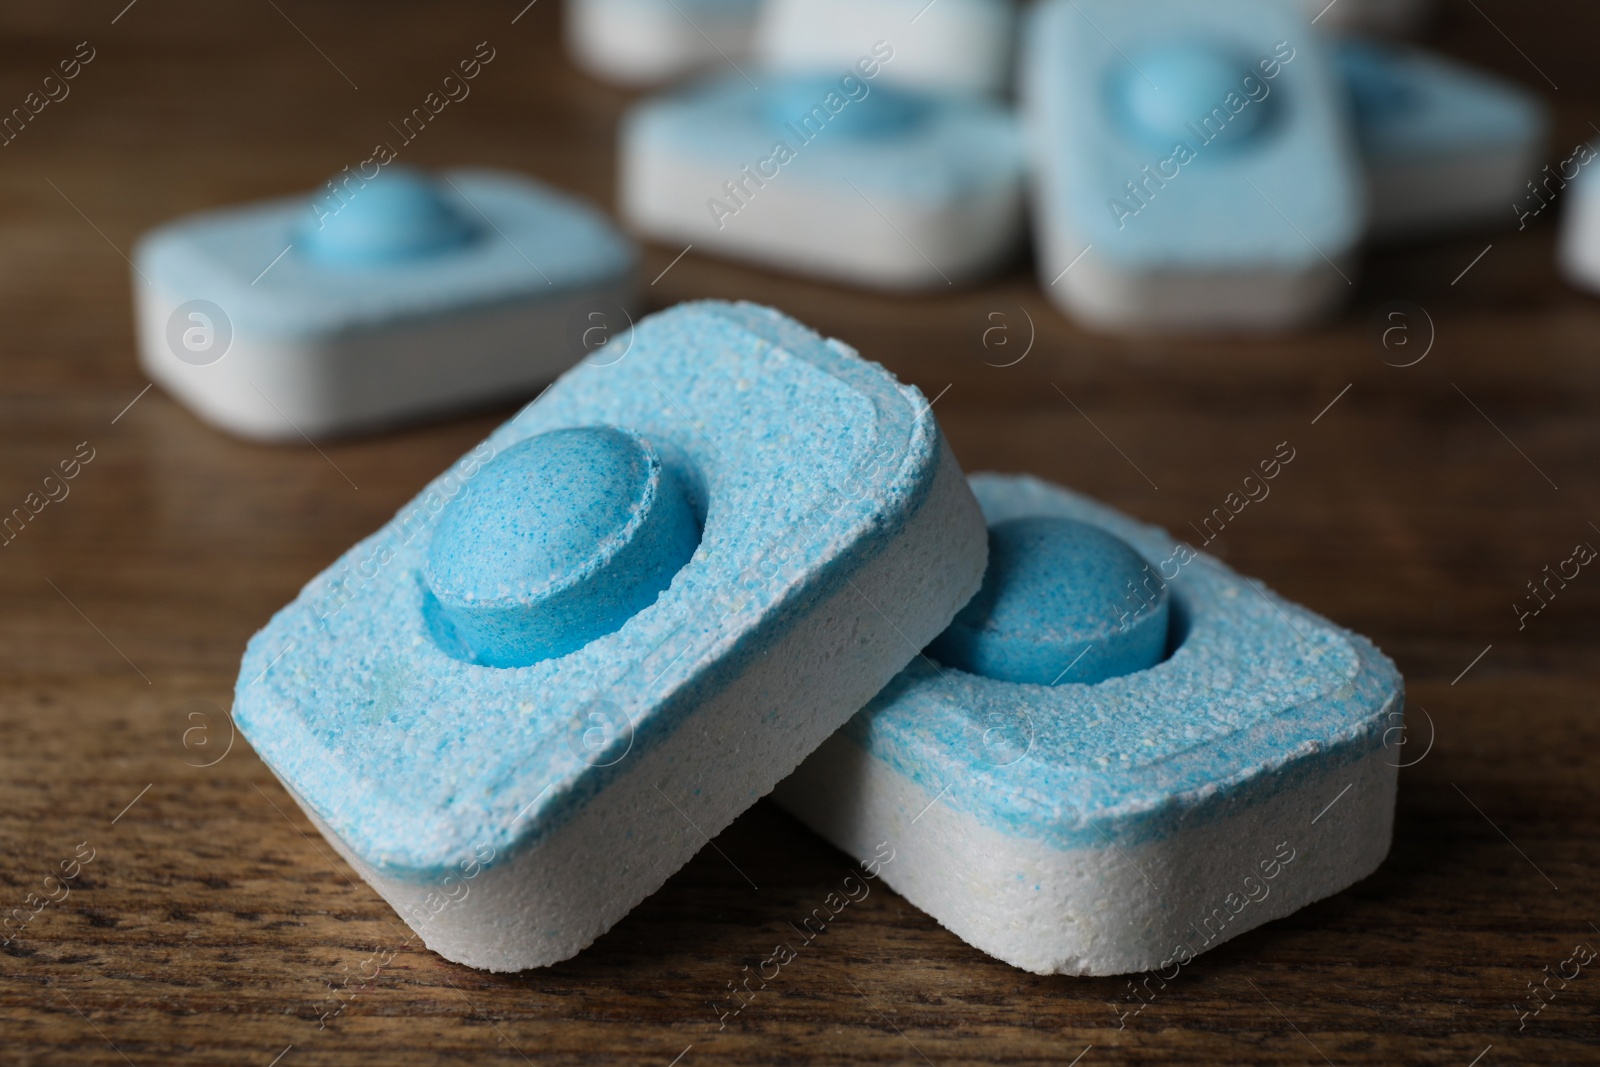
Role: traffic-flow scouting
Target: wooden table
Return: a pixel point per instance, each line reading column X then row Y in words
column 213, row 925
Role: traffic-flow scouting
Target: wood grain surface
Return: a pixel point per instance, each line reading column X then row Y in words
column 214, row 926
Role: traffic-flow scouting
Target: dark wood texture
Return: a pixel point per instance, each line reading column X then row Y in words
column 213, row 923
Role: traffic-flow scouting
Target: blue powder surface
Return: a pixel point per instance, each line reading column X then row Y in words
column 563, row 538
column 802, row 462
column 1165, row 87
column 1200, row 214
column 1062, row 601
column 1258, row 693
column 910, row 144
column 399, row 215
column 528, row 241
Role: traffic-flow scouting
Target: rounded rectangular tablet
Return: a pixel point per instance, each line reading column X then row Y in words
column 586, row 647
column 1193, row 167
column 1136, row 820
column 836, row 174
column 374, row 301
